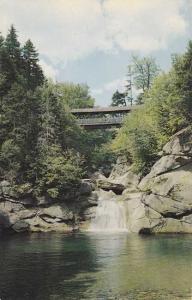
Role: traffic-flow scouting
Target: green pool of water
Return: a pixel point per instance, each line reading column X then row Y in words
column 95, row 266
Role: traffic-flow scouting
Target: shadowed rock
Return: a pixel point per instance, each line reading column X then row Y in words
column 105, row 185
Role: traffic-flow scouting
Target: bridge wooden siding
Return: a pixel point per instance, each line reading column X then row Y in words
column 101, row 117
column 100, row 122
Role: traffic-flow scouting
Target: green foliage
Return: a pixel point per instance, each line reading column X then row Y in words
column 167, row 108
column 137, row 138
column 38, row 134
column 32, row 71
column 19, row 131
column 95, row 147
column 12, row 46
column 144, row 71
column 75, row 95
column 57, row 170
column 18, row 64
column 118, row 99
column 43, row 150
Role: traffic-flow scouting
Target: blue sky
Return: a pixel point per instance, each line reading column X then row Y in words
column 91, row 41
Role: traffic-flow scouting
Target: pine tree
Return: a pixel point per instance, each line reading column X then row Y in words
column 12, row 46
column 19, row 129
column 7, row 71
column 1, row 41
column 32, row 71
column 118, row 99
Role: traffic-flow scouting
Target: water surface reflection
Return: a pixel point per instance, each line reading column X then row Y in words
column 95, row 266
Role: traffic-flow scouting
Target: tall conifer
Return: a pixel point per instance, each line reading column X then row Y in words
column 32, row 70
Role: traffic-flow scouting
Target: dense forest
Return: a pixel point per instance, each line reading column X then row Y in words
column 42, row 147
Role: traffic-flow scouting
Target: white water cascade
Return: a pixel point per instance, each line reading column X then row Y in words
column 110, row 214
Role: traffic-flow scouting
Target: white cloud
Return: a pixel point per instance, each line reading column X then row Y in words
column 49, row 71
column 66, row 30
column 97, row 91
column 117, row 84
column 110, row 87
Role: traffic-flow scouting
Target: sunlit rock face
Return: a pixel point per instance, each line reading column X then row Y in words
column 166, row 200
column 44, row 214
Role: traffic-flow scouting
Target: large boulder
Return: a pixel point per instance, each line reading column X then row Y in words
column 106, row 185
column 180, row 143
column 124, row 174
column 121, row 167
column 57, row 211
column 20, row 226
column 162, row 201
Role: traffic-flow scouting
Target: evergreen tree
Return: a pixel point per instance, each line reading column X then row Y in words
column 32, row 71
column 118, row 99
column 13, row 47
column 7, row 71
column 1, row 41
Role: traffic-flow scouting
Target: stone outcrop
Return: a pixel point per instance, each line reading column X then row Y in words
column 164, row 199
column 107, row 185
column 31, row 214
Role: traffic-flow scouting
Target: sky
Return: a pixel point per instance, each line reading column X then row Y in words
column 92, row 41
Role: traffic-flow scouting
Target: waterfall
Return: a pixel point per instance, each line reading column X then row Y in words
column 110, row 214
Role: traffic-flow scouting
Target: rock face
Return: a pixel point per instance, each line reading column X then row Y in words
column 44, row 214
column 107, row 185
column 164, row 199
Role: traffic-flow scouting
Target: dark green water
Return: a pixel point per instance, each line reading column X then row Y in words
column 95, row 266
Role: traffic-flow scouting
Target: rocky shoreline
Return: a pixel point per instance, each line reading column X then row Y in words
column 161, row 202
column 44, row 214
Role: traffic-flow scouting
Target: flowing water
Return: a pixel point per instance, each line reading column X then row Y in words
column 95, row 266
column 110, row 216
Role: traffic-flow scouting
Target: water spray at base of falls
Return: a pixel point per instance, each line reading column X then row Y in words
column 110, row 214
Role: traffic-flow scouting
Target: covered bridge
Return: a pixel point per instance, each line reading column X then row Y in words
column 101, row 117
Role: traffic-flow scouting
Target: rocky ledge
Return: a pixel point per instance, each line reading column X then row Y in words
column 162, row 201
column 44, row 214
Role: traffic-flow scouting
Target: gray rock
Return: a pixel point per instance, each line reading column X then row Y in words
column 166, row 206
column 86, row 188
column 4, row 187
column 121, row 167
column 44, row 201
column 180, row 143
column 130, row 180
column 4, row 220
column 106, row 185
column 89, row 213
column 20, row 226
column 57, row 211
column 168, row 163
column 166, row 202
column 93, row 199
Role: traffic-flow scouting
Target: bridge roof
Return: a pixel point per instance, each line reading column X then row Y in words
column 95, row 110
